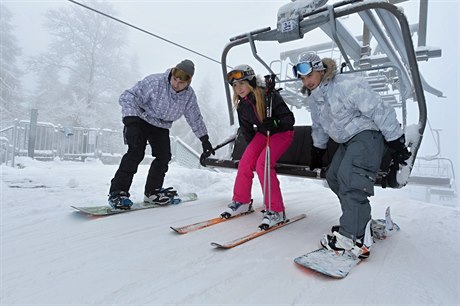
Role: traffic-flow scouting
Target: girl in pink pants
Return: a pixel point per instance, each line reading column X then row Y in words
column 250, row 103
column 254, row 159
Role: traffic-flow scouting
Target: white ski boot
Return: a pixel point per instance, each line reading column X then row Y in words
column 272, row 218
column 236, row 208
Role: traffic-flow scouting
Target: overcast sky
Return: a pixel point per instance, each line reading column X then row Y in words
column 206, row 26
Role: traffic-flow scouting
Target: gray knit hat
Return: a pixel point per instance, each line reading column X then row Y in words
column 186, row 66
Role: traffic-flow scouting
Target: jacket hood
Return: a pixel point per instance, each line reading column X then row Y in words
column 331, row 69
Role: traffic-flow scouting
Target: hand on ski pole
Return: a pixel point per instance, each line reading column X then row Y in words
column 270, row 124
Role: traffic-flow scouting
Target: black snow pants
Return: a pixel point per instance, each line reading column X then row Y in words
column 136, row 137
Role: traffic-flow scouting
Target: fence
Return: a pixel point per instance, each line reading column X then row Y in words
column 46, row 141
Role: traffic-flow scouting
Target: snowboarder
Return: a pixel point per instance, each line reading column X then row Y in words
column 250, row 103
column 345, row 108
column 149, row 108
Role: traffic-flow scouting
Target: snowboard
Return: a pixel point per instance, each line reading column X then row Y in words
column 106, row 210
column 338, row 264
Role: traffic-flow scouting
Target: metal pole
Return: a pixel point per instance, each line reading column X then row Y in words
column 32, row 132
column 422, row 23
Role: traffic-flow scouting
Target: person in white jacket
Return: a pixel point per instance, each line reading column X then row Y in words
column 148, row 109
column 345, row 108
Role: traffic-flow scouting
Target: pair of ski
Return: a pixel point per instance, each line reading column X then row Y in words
column 233, row 243
column 105, row 210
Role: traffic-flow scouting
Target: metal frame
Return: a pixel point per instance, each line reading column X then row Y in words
column 384, row 22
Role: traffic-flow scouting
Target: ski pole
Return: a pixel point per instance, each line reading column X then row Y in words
column 269, row 86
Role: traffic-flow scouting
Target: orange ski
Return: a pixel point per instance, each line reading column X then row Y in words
column 256, row 234
column 203, row 224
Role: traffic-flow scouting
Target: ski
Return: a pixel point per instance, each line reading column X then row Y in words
column 106, row 210
column 253, row 235
column 207, row 223
column 337, row 264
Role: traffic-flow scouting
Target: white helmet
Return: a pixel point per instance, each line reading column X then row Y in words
column 242, row 72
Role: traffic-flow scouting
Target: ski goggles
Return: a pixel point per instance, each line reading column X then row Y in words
column 302, row 68
column 236, row 75
column 305, row 68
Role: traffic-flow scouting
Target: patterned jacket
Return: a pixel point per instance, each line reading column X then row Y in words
column 344, row 105
column 155, row 101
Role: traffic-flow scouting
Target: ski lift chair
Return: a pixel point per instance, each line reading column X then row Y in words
column 396, row 56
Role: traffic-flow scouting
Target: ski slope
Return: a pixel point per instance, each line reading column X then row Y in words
column 52, row 255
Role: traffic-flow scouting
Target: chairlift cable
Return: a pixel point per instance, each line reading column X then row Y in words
column 145, row 31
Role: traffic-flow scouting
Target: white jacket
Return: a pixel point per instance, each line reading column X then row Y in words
column 344, row 105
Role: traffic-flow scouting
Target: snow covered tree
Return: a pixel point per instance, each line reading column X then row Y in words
column 10, row 74
column 85, row 68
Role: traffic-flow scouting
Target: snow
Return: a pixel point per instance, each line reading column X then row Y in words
column 51, row 255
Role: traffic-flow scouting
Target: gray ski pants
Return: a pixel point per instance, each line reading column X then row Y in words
column 351, row 176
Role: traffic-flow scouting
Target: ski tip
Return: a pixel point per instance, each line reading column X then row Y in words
column 218, row 245
column 176, row 230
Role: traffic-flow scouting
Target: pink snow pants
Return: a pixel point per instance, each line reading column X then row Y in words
column 254, row 159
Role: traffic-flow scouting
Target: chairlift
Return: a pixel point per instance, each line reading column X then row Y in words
column 435, row 172
column 384, row 53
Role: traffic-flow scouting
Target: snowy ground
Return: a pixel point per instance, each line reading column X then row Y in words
column 51, row 255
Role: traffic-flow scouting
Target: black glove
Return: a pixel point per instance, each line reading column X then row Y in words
column 316, row 160
column 132, row 131
column 207, row 146
column 270, row 124
column 400, row 153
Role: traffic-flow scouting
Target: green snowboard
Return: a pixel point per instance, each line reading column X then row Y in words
column 106, row 210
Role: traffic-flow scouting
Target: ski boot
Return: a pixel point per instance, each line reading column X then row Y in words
column 341, row 244
column 272, row 218
column 120, row 200
column 236, row 208
column 160, row 196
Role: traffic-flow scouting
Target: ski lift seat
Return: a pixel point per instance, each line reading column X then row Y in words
column 296, row 160
column 298, row 154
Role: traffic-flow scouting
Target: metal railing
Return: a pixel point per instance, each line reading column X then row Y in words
column 46, row 141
